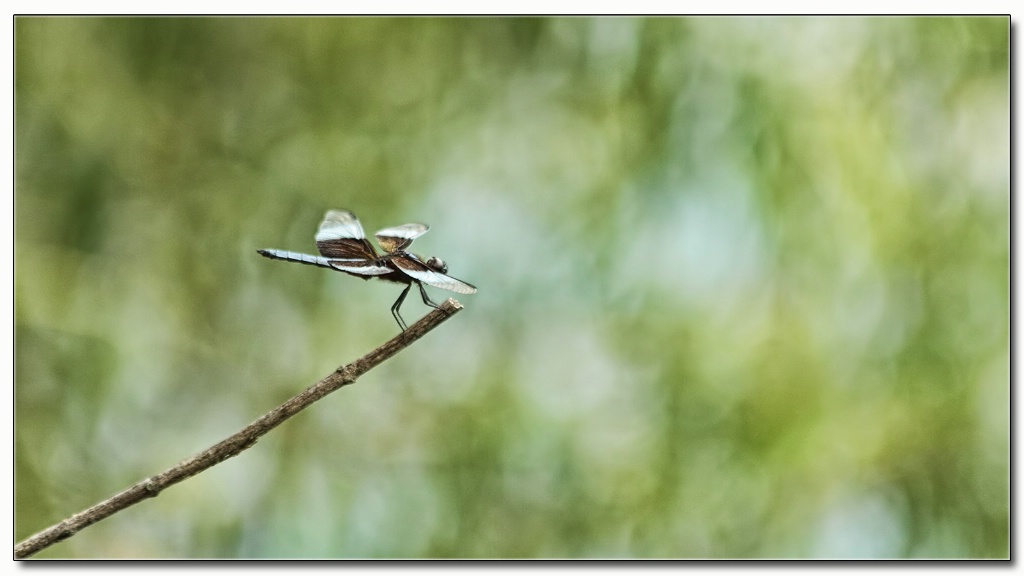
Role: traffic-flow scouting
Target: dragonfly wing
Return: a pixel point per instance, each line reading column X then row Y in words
column 400, row 237
column 341, row 236
column 416, row 269
column 360, row 268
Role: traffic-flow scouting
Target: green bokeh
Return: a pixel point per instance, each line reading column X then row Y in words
column 743, row 285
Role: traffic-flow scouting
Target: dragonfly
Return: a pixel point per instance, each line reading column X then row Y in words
column 343, row 247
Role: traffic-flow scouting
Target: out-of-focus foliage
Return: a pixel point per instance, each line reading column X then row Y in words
column 743, row 285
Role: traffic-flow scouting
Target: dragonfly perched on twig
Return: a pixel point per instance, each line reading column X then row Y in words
column 343, row 247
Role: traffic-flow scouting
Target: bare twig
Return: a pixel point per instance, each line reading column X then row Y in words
column 237, row 442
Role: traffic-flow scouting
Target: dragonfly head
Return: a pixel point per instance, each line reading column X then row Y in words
column 437, row 264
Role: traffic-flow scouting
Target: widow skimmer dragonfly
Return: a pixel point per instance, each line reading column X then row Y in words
column 343, row 247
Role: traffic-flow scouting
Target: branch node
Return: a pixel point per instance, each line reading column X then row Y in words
column 346, row 374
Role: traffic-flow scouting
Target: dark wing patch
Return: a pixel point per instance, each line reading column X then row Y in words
column 341, row 236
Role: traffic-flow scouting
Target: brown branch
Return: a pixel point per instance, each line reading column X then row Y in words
column 237, row 442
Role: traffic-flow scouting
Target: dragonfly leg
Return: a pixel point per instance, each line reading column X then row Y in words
column 398, row 304
column 426, row 299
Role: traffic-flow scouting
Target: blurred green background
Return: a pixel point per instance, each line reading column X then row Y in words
column 743, row 285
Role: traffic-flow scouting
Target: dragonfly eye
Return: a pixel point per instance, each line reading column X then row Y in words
column 437, row 264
